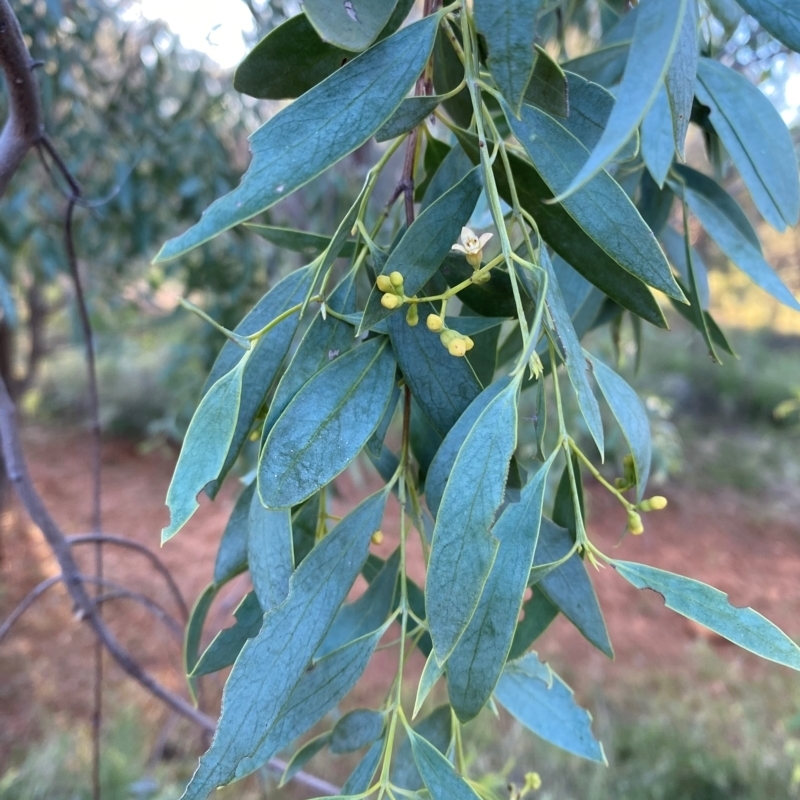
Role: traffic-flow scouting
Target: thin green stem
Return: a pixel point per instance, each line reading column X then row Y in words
column 597, row 476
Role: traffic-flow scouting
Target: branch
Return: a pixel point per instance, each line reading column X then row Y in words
column 26, row 602
column 122, row 541
column 23, row 128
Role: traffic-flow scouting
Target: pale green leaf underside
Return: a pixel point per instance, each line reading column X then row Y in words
column 353, row 25
column 710, row 607
column 440, row 778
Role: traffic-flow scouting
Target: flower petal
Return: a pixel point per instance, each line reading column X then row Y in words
column 485, row 238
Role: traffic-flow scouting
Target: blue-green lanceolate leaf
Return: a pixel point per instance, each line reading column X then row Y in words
column 655, row 35
column 442, row 464
column 263, row 361
column 442, row 385
column 204, row 448
column 675, row 248
column 353, row 25
column 658, row 139
column 547, row 708
column 426, row 243
column 194, row 632
column 270, row 666
column 576, row 363
column 756, row 139
column 320, row 128
column 681, row 75
column 368, row 612
column 631, row 416
column 287, row 62
column 568, row 587
column 548, row 88
column 437, row 729
column 270, row 553
column 603, row 66
column 412, row 111
column 509, row 28
column 780, row 18
column 590, row 106
column 454, row 167
column 232, row 553
column 567, row 238
column 463, row 548
column 710, row 607
column 228, row 643
column 474, row 667
column 326, row 338
column 441, row 780
column 361, row 777
column 327, row 423
column 727, row 225
column 355, row 730
column 309, row 244
column 601, row 207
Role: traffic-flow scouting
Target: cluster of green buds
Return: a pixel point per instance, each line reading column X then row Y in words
column 392, row 287
column 533, row 782
column 471, row 245
column 456, row 343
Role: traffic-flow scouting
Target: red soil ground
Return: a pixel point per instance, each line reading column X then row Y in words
column 45, row 663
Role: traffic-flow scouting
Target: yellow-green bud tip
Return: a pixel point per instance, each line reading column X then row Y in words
column 458, row 347
column 384, row 284
column 434, row 322
column 377, row 537
column 635, row 523
column 397, row 279
column 391, row 301
column 653, row 503
column 412, row 317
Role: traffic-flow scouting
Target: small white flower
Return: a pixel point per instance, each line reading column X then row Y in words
column 472, row 246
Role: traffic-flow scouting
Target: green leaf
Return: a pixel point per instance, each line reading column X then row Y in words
column 303, row 756
column 454, row 167
column 194, row 632
column 355, row 730
column 353, row 25
column 436, row 728
column 603, row 66
column 309, row 244
column 442, row 385
column 675, row 248
column 442, row 464
column 756, row 138
column 538, row 612
column 575, row 360
column 630, row 414
column 205, row 448
column 781, row 19
column 548, row 88
column 430, row 675
column 326, row 424
column 474, row 667
column 327, row 338
column 601, row 208
column 437, row 772
column 509, row 28
column 232, row 553
column 568, row 239
column 568, row 586
column 549, row 710
column 264, row 359
column 304, row 527
column 320, row 128
column 426, row 243
column 368, row 612
column 590, row 106
column 227, row 644
column 463, row 548
column 361, row 777
column 680, row 78
column 658, row 138
column 258, row 693
column 287, row 62
column 412, row 112
column 270, row 553
column 727, row 225
column 655, row 36
column 448, row 73
column 710, row 607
